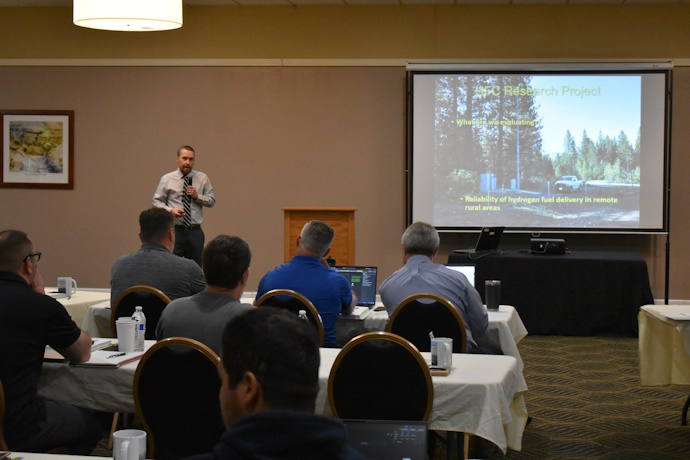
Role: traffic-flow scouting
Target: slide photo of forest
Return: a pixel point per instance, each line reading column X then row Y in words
column 544, row 151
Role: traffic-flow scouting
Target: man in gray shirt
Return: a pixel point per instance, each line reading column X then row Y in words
column 154, row 264
column 420, row 274
column 203, row 316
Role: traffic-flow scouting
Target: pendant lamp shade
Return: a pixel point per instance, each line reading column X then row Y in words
column 128, row 15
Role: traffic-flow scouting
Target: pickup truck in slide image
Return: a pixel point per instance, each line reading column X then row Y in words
column 568, row 184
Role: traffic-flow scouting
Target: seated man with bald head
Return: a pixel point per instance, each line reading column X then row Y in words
column 30, row 320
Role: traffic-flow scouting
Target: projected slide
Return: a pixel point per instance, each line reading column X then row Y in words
column 539, row 151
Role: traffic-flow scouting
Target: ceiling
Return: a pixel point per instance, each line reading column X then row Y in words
column 5, row 3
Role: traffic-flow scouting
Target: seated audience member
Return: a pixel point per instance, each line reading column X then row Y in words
column 270, row 379
column 420, row 274
column 203, row 316
column 30, row 320
column 309, row 274
column 154, row 264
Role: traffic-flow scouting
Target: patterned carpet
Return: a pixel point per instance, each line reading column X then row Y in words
column 586, row 402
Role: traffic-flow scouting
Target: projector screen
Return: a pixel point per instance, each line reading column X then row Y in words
column 564, row 150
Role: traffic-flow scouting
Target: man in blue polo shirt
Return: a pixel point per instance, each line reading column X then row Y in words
column 309, row 274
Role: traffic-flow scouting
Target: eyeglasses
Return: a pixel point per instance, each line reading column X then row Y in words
column 33, row 254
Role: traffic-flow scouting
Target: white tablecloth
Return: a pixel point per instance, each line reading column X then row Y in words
column 483, row 395
column 664, row 346
column 106, row 390
column 78, row 305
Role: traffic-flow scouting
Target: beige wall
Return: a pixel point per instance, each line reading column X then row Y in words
column 277, row 135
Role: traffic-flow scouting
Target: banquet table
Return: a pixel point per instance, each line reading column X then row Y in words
column 505, row 328
column 483, row 395
column 98, row 389
column 78, row 304
column 664, row 345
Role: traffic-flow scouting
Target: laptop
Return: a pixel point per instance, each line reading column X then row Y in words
column 489, row 239
column 363, row 283
column 388, row 440
column 466, row 269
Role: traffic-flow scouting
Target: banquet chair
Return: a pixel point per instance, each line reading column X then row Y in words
column 415, row 318
column 3, row 444
column 151, row 299
column 294, row 302
column 380, row 376
column 176, row 387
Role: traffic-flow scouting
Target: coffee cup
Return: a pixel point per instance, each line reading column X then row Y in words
column 125, row 328
column 67, row 285
column 442, row 352
column 492, row 294
column 129, row 445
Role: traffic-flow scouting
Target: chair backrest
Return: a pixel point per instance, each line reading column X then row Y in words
column 3, row 444
column 414, row 319
column 294, row 302
column 151, row 299
column 380, row 376
column 176, row 387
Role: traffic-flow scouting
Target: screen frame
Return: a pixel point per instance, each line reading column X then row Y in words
column 664, row 68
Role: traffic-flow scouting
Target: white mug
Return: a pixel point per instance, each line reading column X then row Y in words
column 125, row 327
column 129, row 445
column 442, row 352
column 67, row 285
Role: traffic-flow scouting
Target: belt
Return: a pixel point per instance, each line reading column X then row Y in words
column 191, row 227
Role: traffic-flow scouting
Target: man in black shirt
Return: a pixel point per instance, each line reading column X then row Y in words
column 30, row 320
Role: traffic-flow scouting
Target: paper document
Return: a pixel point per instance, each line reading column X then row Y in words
column 676, row 315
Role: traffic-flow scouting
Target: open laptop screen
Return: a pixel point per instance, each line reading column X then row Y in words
column 388, row 440
column 363, row 283
column 489, row 238
column 467, row 270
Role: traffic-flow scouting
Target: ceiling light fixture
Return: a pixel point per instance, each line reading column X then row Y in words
column 128, row 15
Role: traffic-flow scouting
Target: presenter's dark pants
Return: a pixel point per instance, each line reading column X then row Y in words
column 189, row 242
column 65, row 426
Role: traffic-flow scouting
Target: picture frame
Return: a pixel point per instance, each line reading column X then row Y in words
column 37, row 149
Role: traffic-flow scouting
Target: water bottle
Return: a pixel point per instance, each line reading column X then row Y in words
column 303, row 315
column 140, row 331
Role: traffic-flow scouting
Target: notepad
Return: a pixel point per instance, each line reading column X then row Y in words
column 361, row 312
column 110, row 359
column 51, row 355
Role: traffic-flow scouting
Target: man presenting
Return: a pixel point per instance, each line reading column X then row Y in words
column 309, row 274
column 184, row 192
column 270, row 378
column 420, row 274
column 154, row 264
column 30, row 320
column 203, row 316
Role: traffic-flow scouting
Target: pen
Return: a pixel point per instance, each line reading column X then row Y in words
column 115, row 356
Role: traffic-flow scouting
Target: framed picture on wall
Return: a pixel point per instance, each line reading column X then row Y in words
column 37, row 149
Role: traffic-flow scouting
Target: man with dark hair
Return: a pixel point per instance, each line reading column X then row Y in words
column 30, row 320
column 184, row 192
column 154, row 264
column 270, row 379
column 204, row 315
column 420, row 243
column 309, row 274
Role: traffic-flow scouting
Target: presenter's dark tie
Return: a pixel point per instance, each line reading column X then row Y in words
column 187, row 203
